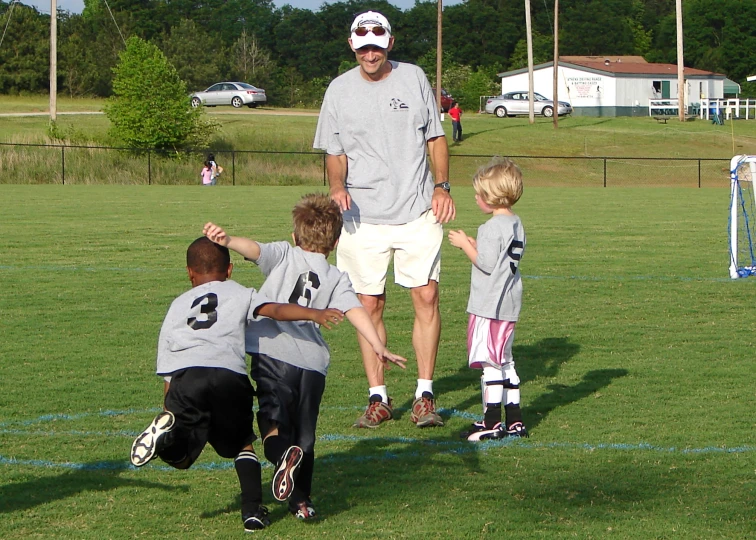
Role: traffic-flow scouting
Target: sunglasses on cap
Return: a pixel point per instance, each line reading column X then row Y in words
column 364, row 30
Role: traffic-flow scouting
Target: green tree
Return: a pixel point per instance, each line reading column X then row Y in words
column 543, row 51
column 250, row 62
column 150, row 106
column 194, row 53
column 24, row 55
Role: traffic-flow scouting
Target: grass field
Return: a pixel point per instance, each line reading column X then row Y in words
column 634, row 347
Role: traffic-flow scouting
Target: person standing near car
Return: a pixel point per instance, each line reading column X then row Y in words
column 456, row 115
column 378, row 124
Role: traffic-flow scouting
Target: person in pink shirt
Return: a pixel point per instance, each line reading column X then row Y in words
column 207, row 174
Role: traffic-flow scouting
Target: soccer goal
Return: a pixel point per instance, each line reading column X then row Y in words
column 742, row 225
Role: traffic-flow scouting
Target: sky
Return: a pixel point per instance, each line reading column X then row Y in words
column 76, row 6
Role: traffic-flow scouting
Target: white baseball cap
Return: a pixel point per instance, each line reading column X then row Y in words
column 370, row 20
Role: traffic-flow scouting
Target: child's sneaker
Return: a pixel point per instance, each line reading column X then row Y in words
column 517, row 430
column 303, row 510
column 286, row 471
column 145, row 445
column 479, row 432
column 377, row 412
column 424, row 411
column 257, row 520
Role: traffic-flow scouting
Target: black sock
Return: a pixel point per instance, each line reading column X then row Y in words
column 492, row 415
column 303, row 485
column 274, row 447
column 250, row 479
column 513, row 413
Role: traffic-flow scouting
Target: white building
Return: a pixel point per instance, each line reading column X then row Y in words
column 617, row 85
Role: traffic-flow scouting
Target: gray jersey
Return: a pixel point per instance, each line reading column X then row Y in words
column 496, row 284
column 204, row 327
column 296, row 276
column 383, row 128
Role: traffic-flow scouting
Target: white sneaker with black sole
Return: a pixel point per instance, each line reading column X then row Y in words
column 144, row 448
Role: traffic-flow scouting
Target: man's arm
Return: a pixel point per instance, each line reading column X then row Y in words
column 442, row 203
column 295, row 312
column 336, row 168
column 245, row 247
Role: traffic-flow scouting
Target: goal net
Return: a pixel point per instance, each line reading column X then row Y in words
column 742, row 225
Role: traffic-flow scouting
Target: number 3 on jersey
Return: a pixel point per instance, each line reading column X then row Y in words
column 302, row 293
column 208, row 309
column 515, row 253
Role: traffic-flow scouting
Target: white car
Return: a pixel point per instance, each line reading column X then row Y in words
column 515, row 103
column 235, row 94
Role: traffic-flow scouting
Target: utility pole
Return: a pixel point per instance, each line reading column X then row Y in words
column 556, row 64
column 680, row 65
column 53, row 60
column 529, row 30
column 439, row 56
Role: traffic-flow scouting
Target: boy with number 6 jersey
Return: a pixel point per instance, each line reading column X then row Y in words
column 495, row 298
column 208, row 395
column 290, row 359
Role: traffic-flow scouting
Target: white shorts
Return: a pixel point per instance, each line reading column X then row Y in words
column 489, row 343
column 365, row 251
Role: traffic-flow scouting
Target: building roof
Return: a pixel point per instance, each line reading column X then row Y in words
column 622, row 66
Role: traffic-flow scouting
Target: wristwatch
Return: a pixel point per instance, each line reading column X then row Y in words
column 446, row 186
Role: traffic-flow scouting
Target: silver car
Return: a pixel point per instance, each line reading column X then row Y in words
column 230, row 93
column 515, row 103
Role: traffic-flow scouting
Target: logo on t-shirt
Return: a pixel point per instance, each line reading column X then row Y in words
column 397, row 104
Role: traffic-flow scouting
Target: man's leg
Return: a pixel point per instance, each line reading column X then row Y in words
column 426, row 334
column 254, row 514
column 379, row 404
column 374, row 305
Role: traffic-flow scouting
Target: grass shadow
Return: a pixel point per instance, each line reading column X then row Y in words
column 98, row 476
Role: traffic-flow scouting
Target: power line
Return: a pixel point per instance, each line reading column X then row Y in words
column 10, row 14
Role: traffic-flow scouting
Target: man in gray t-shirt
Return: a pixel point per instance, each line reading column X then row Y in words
column 378, row 124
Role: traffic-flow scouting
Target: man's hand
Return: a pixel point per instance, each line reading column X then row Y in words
column 216, row 234
column 341, row 197
column 329, row 317
column 443, row 206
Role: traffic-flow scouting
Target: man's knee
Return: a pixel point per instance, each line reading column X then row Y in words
column 426, row 297
column 373, row 304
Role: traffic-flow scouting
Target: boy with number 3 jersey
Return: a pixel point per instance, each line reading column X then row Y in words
column 208, row 395
column 290, row 359
column 495, row 298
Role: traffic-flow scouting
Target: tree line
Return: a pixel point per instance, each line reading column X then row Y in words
column 294, row 53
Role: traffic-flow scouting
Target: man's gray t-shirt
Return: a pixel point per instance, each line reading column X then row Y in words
column 296, row 276
column 495, row 283
column 383, row 128
column 204, row 327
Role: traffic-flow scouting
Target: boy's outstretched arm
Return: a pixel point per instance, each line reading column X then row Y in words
column 249, row 249
column 293, row 312
column 360, row 319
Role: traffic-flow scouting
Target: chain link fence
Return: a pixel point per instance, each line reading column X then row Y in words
column 58, row 164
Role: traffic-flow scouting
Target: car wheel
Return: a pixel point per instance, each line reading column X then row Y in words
column 501, row 112
column 196, row 102
column 236, row 101
column 548, row 112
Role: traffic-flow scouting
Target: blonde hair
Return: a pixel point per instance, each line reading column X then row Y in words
column 317, row 223
column 499, row 183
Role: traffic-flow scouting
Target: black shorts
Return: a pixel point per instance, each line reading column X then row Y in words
column 289, row 396
column 210, row 405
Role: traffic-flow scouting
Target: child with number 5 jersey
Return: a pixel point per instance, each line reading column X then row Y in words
column 495, row 298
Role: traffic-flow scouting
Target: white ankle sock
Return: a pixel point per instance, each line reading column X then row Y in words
column 381, row 391
column 423, row 385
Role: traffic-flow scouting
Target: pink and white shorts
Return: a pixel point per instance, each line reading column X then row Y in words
column 489, row 342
